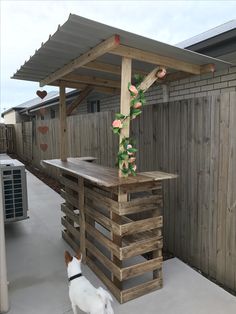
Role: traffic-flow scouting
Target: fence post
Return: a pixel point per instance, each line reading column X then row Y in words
column 4, row 303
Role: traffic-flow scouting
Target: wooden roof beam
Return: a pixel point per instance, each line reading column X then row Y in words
column 76, row 85
column 102, row 48
column 175, row 76
column 91, row 80
column 157, row 59
column 78, row 100
column 109, row 68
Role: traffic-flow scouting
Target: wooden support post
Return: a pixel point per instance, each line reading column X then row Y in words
column 126, row 68
column 157, row 273
column 121, row 197
column 82, row 219
column 62, row 125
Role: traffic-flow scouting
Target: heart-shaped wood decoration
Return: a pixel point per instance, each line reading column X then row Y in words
column 43, row 129
column 41, row 93
column 43, row 147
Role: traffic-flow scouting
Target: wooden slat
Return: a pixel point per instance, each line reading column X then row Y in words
column 103, row 259
column 141, row 225
column 222, row 192
column 114, row 290
column 101, row 199
column 135, row 292
column 70, row 241
column 103, row 220
column 69, row 183
column 70, row 213
column 70, row 199
column 91, row 55
column 71, row 229
column 141, row 187
column 103, row 240
column 141, row 268
column 157, row 59
column 140, row 201
column 142, row 246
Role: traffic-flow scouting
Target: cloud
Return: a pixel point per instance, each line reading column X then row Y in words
column 26, row 24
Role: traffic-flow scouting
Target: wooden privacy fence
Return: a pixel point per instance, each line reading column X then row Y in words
column 195, row 138
column 6, row 138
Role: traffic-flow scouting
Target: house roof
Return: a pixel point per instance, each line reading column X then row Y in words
column 32, row 102
column 78, row 35
column 217, row 42
column 50, row 101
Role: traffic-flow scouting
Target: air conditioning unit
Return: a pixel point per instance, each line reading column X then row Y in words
column 13, row 189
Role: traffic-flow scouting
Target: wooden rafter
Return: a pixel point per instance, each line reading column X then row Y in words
column 157, row 59
column 92, row 80
column 101, row 89
column 82, row 95
column 109, row 68
column 104, row 47
column 182, row 75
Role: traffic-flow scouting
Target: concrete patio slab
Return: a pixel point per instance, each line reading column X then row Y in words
column 37, row 274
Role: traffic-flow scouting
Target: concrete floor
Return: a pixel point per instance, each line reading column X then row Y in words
column 37, row 274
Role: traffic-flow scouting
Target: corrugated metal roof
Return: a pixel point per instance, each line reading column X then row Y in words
column 78, row 35
column 32, row 102
column 216, row 31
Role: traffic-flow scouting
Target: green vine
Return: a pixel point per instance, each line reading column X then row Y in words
column 126, row 155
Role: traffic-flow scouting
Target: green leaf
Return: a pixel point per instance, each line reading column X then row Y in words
column 132, row 150
column 119, row 116
column 116, row 130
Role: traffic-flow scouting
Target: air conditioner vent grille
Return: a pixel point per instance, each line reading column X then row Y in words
column 15, row 204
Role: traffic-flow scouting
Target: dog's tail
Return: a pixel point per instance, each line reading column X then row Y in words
column 107, row 299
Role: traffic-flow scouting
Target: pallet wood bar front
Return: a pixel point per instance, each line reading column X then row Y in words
column 116, row 222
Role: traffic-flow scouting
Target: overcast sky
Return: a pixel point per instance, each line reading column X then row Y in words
column 26, row 24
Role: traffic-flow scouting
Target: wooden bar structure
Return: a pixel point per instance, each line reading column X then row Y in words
column 115, row 222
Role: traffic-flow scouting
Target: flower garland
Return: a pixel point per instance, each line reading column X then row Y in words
column 126, row 155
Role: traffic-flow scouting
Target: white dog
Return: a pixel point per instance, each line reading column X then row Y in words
column 82, row 293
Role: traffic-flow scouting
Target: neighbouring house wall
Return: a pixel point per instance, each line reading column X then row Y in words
column 195, row 86
column 194, row 138
column 10, row 117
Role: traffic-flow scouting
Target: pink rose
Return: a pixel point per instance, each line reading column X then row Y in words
column 128, row 147
column 117, row 124
column 132, row 159
column 161, row 73
column 134, row 167
column 133, row 90
column 137, row 105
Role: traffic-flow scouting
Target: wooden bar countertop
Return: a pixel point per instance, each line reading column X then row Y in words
column 104, row 176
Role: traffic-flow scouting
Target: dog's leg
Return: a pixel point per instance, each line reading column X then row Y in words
column 74, row 308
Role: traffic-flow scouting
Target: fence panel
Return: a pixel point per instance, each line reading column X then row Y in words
column 194, row 138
